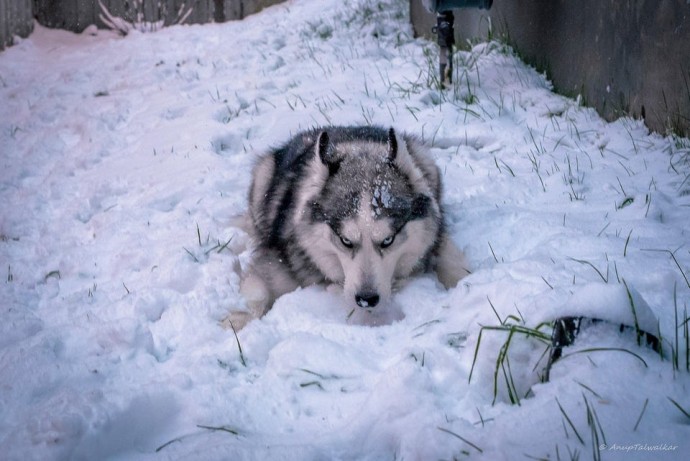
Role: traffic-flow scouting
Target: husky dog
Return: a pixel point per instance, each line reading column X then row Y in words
column 354, row 206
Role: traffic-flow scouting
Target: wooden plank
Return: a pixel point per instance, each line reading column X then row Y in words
column 4, row 25
column 76, row 15
column 16, row 18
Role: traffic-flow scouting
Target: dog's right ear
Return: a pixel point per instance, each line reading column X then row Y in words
column 326, row 152
column 392, row 145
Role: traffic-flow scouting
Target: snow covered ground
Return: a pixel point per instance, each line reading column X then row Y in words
column 124, row 162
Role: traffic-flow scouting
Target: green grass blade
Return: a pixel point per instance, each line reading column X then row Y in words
column 682, row 410
column 570, row 423
column 461, row 438
column 604, row 349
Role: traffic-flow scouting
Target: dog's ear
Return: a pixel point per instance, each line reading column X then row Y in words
column 323, row 147
column 326, row 152
column 392, row 145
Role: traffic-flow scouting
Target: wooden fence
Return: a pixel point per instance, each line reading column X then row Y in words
column 17, row 16
column 15, row 19
column 76, row 15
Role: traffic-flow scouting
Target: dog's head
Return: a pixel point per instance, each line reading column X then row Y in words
column 373, row 219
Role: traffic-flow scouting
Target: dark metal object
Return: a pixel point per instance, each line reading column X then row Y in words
column 441, row 5
column 446, row 34
column 566, row 329
column 446, row 40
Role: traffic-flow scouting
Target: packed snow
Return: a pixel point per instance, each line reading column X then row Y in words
column 125, row 166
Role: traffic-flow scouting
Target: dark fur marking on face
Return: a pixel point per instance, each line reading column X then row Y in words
column 317, row 213
column 420, row 207
column 333, row 209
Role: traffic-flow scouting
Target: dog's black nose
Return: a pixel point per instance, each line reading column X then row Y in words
column 367, row 299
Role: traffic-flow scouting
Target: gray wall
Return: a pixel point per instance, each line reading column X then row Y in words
column 625, row 57
column 15, row 19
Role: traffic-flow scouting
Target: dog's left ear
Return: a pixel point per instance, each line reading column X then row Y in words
column 392, row 145
column 324, row 148
column 326, row 152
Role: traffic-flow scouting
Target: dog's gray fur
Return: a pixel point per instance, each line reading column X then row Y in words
column 354, row 206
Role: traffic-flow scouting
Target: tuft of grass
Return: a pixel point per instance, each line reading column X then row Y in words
column 582, row 261
column 673, row 257
column 570, row 423
column 458, row 436
column 367, row 114
column 502, row 366
column 493, row 253
column 639, row 418
column 626, row 202
column 597, row 436
column 627, row 241
column 169, row 442
column 593, row 392
column 223, row 246
column 311, row 383
column 239, row 346
column 206, row 246
column 52, row 274
column 196, row 260
column 606, row 349
column 227, row 429
column 321, row 377
column 596, row 431
column 675, row 351
column 505, row 165
column 683, row 325
column 219, row 428
column 680, row 408
column 481, row 418
column 535, row 167
column 638, row 332
column 686, row 335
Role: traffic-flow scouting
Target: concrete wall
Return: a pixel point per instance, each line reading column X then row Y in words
column 15, row 19
column 625, row 57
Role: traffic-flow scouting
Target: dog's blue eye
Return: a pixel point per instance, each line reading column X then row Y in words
column 346, row 242
column 388, row 241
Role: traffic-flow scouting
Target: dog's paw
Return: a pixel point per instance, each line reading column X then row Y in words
column 257, row 298
column 451, row 266
column 256, row 294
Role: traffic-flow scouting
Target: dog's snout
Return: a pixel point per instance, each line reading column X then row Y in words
column 367, row 299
